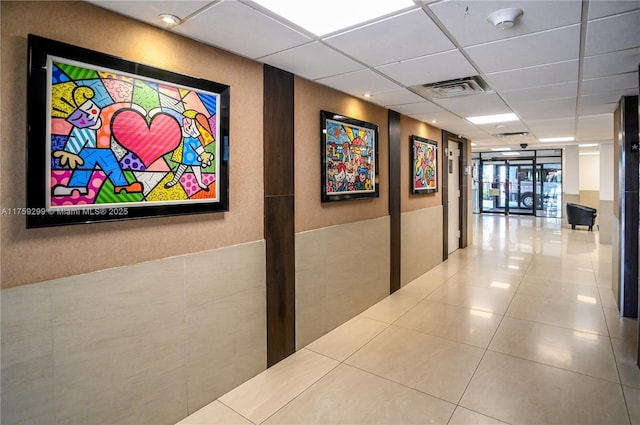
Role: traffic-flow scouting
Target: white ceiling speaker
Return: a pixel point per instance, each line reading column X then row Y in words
column 505, row 18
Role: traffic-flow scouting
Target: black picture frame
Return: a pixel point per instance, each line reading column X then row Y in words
column 349, row 152
column 424, row 165
column 93, row 118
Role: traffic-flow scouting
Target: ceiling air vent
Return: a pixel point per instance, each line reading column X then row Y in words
column 512, row 136
column 451, row 88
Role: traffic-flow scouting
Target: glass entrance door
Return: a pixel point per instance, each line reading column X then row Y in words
column 494, row 186
column 508, row 187
column 521, row 187
column 549, row 193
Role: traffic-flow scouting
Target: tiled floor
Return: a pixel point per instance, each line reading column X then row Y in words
column 521, row 327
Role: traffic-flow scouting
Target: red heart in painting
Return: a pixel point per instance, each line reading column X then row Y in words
column 148, row 142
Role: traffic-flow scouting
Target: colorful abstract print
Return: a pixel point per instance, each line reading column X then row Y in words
column 350, row 159
column 424, row 167
column 117, row 138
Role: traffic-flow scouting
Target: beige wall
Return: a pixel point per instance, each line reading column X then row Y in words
column 34, row 255
column 139, row 321
column 408, row 200
column 164, row 315
column 310, row 98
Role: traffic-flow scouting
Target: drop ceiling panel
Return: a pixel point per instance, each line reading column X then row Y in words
column 148, row 11
column 423, row 107
column 467, row 20
column 429, row 69
column 552, row 91
column 553, row 127
column 394, row 97
column 546, row 109
column 595, row 127
column 601, row 8
column 406, row 36
column 484, row 143
column 613, row 33
column 219, row 26
column 536, row 76
column 465, row 106
column 441, row 116
column 527, row 50
column 611, row 63
column 507, row 127
column 612, row 83
column 313, row 61
column 600, row 103
column 360, row 82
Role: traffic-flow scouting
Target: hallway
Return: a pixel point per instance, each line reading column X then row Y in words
column 520, row 327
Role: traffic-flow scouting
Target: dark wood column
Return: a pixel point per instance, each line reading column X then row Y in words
column 394, row 200
column 629, row 199
column 279, row 217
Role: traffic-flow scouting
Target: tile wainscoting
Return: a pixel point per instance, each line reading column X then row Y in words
column 421, row 242
column 340, row 271
column 148, row 343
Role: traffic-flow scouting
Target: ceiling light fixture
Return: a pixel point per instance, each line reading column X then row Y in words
column 327, row 16
column 511, row 153
column 367, row 95
column 500, row 149
column 169, row 19
column 587, row 145
column 505, row 18
column 492, row 119
column 556, row 139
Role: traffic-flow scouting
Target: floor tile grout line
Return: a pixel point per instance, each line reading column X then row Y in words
column 487, row 348
column 306, row 388
column 401, row 384
column 615, row 359
column 232, row 409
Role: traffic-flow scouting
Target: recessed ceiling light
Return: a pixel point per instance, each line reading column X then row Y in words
column 557, row 139
column 588, row 145
column 511, row 153
column 500, row 149
column 367, row 95
column 327, row 16
column 169, row 19
column 492, row 119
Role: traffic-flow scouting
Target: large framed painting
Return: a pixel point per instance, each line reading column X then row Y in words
column 349, row 149
column 110, row 139
column 424, row 168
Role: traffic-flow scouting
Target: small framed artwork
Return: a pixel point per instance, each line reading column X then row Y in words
column 349, row 149
column 110, row 139
column 424, row 168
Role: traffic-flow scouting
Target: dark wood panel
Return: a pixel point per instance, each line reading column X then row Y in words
column 638, row 307
column 278, row 132
column 631, row 199
column 280, row 274
column 395, row 135
column 279, row 215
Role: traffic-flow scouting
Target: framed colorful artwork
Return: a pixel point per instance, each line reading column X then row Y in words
column 349, row 149
column 109, row 139
column 424, row 165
